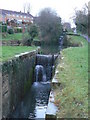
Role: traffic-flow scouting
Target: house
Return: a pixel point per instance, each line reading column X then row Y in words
column 14, row 15
column 66, row 26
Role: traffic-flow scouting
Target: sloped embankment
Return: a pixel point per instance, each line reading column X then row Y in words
column 71, row 97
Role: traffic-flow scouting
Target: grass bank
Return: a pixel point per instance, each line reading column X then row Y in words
column 8, row 52
column 72, row 97
column 15, row 36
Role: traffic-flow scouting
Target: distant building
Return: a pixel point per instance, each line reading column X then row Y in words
column 14, row 15
column 66, row 26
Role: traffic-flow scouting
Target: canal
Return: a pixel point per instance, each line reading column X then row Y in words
column 35, row 102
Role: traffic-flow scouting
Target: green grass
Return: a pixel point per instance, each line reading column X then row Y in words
column 36, row 39
column 15, row 36
column 8, row 52
column 72, row 100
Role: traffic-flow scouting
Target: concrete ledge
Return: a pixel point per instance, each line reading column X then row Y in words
column 51, row 112
column 51, row 109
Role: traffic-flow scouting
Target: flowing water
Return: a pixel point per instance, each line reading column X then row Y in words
column 46, row 61
column 40, row 74
column 35, row 102
column 50, row 49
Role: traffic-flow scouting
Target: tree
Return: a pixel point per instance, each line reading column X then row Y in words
column 32, row 33
column 50, row 26
column 27, row 7
column 81, row 20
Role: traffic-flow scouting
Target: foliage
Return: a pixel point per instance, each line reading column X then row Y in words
column 50, row 25
column 73, row 76
column 81, row 20
column 10, row 31
column 3, row 28
column 32, row 33
column 17, row 30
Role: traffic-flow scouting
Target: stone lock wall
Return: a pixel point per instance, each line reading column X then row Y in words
column 17, row 77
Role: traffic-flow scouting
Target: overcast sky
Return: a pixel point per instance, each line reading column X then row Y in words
column 64, row 8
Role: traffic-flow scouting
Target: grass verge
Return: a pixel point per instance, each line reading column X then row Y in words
column 8, row 52
column 15, row 36
column 72, row 98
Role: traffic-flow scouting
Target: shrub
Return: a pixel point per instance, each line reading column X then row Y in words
column 27, row 42
column 10, row 31
column 17, row 30
column 4, row 28
column 32, row 33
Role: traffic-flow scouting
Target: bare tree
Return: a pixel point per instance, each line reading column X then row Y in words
column 81, row 19
column 27, row 7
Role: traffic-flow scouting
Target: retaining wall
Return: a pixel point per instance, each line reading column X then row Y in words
column 17, row 77
column 11, row 42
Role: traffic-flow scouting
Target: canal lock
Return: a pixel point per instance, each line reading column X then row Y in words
column 44, row 72
column 36, row 103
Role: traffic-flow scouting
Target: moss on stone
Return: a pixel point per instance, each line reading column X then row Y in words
column 29, row 82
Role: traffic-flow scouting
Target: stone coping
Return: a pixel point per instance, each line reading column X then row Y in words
column 21, row 56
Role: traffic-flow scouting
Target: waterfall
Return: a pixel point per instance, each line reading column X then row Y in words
column 61, row 42
column 40, row 74
column 44, row 60
column 44, row 67
column 47, row 62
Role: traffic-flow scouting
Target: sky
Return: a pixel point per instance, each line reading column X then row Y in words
column 64, row 8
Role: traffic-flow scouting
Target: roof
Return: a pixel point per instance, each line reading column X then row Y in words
column 4, row 12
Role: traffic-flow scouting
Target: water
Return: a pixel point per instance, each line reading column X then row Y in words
column 53, row 49
column 47, row 62
column 34, row 104
column 40, row 74
column 50, row 49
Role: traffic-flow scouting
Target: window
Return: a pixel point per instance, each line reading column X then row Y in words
column 17, row 15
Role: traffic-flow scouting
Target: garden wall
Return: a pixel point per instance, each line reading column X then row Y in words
column 11, row 42
column 17, row 77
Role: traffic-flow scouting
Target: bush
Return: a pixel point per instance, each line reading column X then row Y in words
column 4, row 28
column 27, row 42
column 10, row 31
column 17, row 30
column 32, row 33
